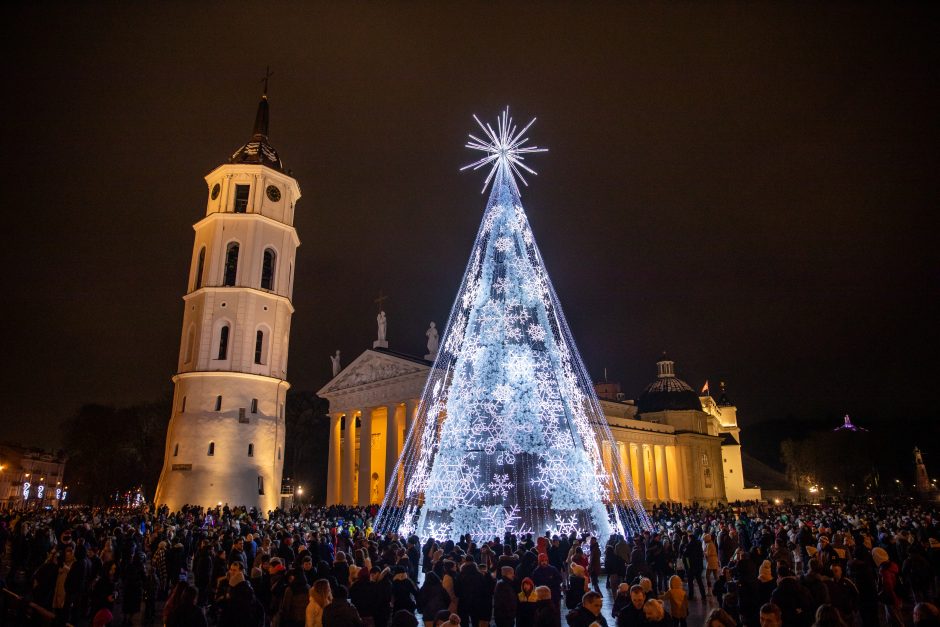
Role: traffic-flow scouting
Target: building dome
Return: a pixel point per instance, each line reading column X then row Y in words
column 667, row 392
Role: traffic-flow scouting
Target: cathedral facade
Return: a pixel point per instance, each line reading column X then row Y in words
column 677, row 446
column 225, row 441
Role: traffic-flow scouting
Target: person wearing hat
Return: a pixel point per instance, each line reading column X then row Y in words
column 677, row 601
column 527, row 598
column 887, row 586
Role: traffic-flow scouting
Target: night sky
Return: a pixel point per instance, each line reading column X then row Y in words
column 748, row 187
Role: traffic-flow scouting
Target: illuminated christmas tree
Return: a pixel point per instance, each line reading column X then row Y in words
column 509, row 435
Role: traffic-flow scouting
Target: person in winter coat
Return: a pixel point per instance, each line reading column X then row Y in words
column 765, row 583
column 594, row 564
column 710, row 550
column 676, row 601
column 546, row 612
column 185, row 611
column 382, row 588
column 104, row 590
column 484, row 608
column 656, row 614
column 341, row 569
column 917, row 572
column 202, row 571
column 588, row 612
column 694, row 563
column 470, row 584
column 240, row 608
column 527, row 598
column 638, row 568
column 363, row 598
column 842, row 593
column 449, row 581
column 548, row 576
column 293, row 610
column 505, row 599
column 613, row 573
column 631, row 615
column 132, row 589
column 432, row 598
column 320, row 596
column 404, row 591
column 340, row 612
column 621, row 600
column 794, row 600
column 887, row 586
column 577, row 586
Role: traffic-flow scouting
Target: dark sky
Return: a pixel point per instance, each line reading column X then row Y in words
column 747, row 186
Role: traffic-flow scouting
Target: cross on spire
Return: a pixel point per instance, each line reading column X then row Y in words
column 267, row 74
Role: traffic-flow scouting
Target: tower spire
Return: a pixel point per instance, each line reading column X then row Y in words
column 259, row 150
column 262, row 117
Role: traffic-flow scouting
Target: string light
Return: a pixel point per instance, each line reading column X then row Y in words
column 509, row 436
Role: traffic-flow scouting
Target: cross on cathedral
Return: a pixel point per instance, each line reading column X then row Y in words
column 267, row 74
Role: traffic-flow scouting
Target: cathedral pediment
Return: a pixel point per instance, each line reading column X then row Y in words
column 370, row 368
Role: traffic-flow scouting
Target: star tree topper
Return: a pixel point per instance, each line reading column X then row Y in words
column 504, row 148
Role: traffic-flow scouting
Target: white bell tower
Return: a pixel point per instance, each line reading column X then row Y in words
column 225, row 442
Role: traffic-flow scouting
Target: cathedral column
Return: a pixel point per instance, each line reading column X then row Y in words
column 349, row 459
column 365, row 458
column 624, row 469
column 640, row 472
column 654, row 485
column 411, row 406
column 665, row 473
column 333, row 470
column 391, row 443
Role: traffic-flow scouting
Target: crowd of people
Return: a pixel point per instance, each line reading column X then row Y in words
column 842, row 565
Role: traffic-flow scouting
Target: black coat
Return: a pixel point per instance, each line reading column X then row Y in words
column 505, row 601
column 629, row 616
column 582, row 617
column 241, row 608
column 470, row 588
column 187, row 616
column 404, row 593
column 432, row 598
column 341, row 613
column 546, row 614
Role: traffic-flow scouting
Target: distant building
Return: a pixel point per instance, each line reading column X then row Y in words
column 31, row 478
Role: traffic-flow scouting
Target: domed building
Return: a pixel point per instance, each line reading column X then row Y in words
column 681, row 446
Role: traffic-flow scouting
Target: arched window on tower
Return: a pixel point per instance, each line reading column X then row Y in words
column 211, row 450
column 268, row 266
column 259, row 347
column 200, row 266
column 223, row 342
column 176, row 450
column 231, row 264
column 251, row 450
